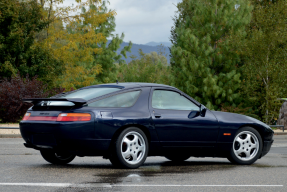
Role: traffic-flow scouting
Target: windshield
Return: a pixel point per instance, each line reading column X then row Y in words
column 90, row 93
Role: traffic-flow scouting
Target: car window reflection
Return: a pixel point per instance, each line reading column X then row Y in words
column 121, row 100
column 163, row 99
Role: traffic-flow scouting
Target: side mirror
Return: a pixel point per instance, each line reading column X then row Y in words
column 202, row 110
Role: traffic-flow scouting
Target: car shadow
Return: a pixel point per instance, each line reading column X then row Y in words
column 150, row 165
column 107, row 173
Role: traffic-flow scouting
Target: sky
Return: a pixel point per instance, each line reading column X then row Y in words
column 143, row 21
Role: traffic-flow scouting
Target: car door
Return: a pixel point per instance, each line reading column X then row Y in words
column 178, row 123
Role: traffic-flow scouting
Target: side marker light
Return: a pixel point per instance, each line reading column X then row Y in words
column 227, row 134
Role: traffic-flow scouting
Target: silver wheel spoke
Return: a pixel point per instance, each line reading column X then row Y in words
column 239, row 140
column 248, row 138
column 127, row 141
column 247, row 153
column 134, row 155
column 239, row 151
column 135, row 140
column 253, row 145
column 126, row 154
column 141, row 148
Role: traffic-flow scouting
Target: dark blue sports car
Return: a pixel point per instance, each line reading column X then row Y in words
column 126, row 122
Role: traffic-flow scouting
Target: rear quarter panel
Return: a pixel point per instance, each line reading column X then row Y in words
column 108, row 126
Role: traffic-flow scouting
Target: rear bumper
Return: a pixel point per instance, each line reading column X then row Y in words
column 266, row 147
column 78, row 138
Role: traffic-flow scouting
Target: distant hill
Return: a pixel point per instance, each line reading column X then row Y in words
column 145, row 49
column 152, row 43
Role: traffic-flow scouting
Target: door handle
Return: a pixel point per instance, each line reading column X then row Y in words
column 157, row 115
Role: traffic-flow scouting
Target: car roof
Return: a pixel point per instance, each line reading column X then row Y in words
column 134, row 85
column 129, row 85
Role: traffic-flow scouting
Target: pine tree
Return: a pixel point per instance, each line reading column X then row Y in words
column 203, row 62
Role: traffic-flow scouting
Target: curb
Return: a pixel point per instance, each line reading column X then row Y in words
column 10, row 136
column 283, row 133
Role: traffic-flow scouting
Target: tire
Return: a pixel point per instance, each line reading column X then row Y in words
column 231, row 160
column 177, row 158
column 246, row 147
column 58, row 158
column 130, row 149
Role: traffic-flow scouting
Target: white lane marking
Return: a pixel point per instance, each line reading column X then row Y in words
column 39, row 184
column 119, row 185
column 57, row 184
column 122, row 185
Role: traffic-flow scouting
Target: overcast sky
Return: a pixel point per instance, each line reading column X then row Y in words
column 143, row 21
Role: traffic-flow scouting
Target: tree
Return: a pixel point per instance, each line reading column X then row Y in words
column 70, row 38
column 203, row 63
column 109, row 55
column 151, row 68
column 82, row 44
column 20, row 22
column 264, row 52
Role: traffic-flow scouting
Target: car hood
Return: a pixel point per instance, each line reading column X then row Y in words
column 234, row 118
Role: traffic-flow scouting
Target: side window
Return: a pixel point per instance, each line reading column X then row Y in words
column 163, row 99
column 121, row 100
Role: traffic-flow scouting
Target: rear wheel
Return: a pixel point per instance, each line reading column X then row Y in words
column 57, row 157
column 247, row 146
column 130, row 149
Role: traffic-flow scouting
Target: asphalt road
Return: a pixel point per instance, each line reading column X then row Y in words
column 23, row 169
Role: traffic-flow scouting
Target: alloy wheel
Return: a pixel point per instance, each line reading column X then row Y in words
column 133, row 147
column 245, row 146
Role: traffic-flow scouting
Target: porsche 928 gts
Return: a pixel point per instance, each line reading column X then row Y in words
column 127, row 122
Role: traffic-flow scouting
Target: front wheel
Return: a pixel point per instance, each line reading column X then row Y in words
column 130, row 149
column 247, row 146
column 57, row 157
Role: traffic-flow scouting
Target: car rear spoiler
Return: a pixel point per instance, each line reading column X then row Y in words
column 76, row 101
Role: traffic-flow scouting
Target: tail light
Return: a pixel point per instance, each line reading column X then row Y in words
column 74, row 117
column 26, row 116
column 61, row 117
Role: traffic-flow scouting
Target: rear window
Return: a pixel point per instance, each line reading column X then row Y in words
column 86, row 94
column 121, row 100
column 90, row 93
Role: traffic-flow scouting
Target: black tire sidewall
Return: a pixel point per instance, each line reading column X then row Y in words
column 235, row 159
column 118, row 154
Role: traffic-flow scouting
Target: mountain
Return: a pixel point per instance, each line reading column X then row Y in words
column 145, row 48
column 152, row 43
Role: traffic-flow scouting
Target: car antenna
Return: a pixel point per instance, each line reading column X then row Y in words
column 117, row 81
